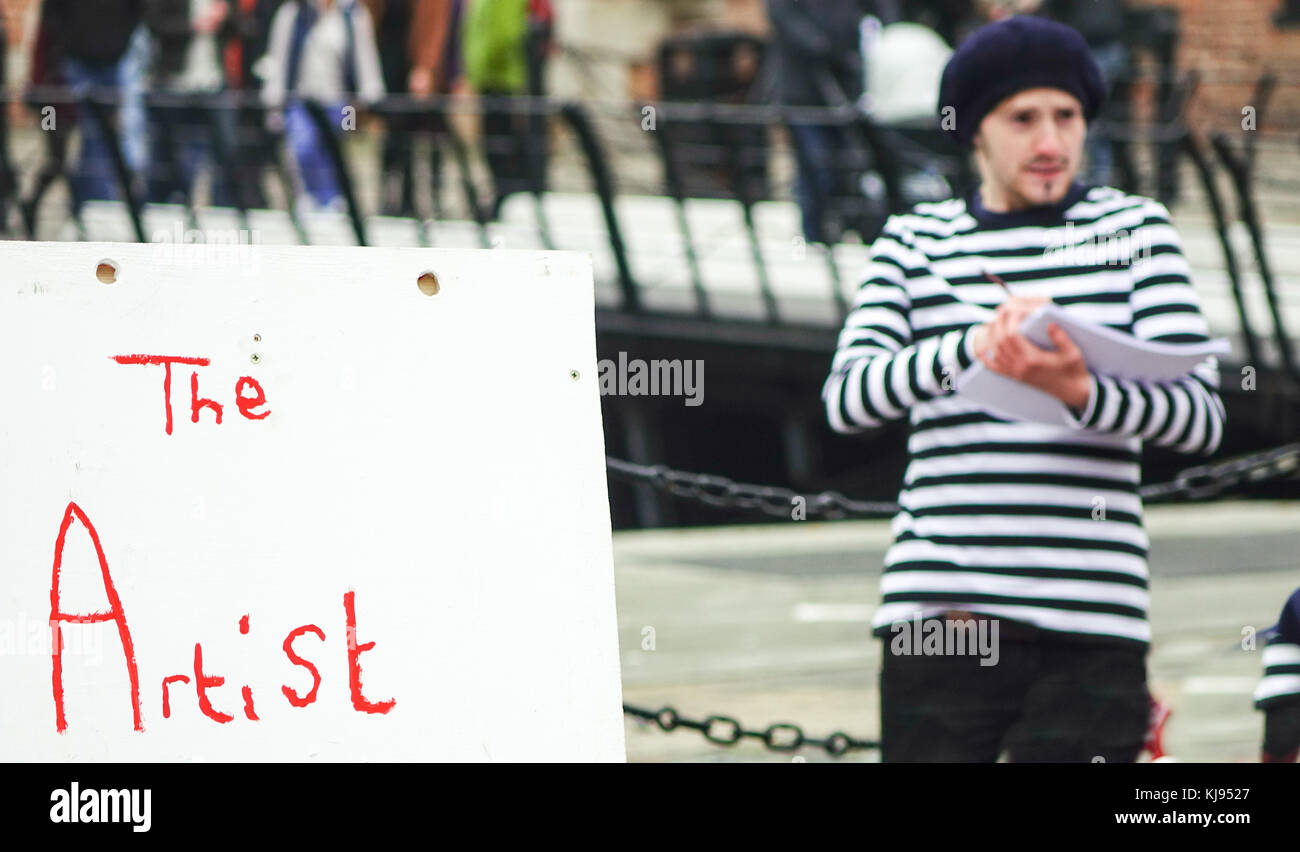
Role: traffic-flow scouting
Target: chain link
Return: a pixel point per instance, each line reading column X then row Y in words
column 1193, row 483
column 724, row 730
column 1202, row 481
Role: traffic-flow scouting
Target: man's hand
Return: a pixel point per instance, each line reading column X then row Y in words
column 420, row 82
column 1060, row 372
column 1009, row 315
column 209, row 22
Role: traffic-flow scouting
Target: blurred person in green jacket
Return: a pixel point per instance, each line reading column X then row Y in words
column 497, row 37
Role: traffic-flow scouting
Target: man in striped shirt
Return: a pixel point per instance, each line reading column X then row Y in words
column 1278, row 693
column 1031, row 529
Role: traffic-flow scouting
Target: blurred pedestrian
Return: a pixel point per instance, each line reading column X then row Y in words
column 539, row 46
column 86, row 42
column 815, row 62
column 243, row 60
column 495, row 42
column 8, row 181
column 133, row 118
column 245, row 50
column 904, row 68
column 412, row 37
column 1278, row 694
column 42, row 75
column 190, row 126
column 324, row 51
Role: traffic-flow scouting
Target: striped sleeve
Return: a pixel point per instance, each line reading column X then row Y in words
column 879, row 371
column 1281, row 681
column 1184, row 414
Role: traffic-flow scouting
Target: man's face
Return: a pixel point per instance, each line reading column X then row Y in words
column 1029, row 148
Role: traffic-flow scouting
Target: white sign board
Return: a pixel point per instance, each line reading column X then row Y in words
column 287, row 503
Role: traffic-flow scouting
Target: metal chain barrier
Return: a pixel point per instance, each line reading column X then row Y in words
column 1193, row 483
column 726, row 493
column 1208, row 480
column 724, row 730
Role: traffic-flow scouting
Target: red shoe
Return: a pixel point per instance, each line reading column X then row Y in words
column 1154, row 743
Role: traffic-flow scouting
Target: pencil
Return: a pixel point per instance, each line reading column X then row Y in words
column 998, row 281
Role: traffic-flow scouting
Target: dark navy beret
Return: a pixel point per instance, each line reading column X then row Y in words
column 1288, row 626
column 1017, row 53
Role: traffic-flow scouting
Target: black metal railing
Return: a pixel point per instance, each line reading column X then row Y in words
column 893, row 154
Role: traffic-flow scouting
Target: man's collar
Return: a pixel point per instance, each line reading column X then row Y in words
column 1044, row 214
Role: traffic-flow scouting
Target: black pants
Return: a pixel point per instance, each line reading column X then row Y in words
column 399, row 160
column 506, row 141
column 188, row 129
column 1282, row 732
column 1045, row 700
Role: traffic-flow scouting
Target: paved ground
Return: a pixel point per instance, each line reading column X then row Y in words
column 769, row 624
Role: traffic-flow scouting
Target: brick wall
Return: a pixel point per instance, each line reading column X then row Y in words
column 1232, row 42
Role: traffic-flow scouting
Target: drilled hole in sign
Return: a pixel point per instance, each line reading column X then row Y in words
column 106, row 272
column 428, row 284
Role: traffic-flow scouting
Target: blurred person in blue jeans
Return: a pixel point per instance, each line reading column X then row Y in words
column 190, row 126
column 815, row 62
column 323, row 50
column 132, row 120
column 88, row 42
column 243, row 57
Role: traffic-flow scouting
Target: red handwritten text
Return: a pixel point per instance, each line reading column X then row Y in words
column 115, row 614
column 245, row 404
column 203, row 681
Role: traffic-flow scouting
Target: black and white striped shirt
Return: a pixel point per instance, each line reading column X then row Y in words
column 1281, row 681
column 1029, row 522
